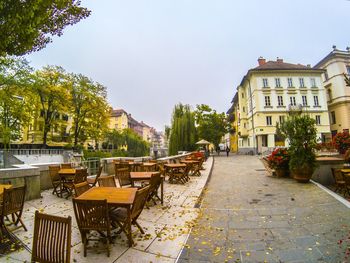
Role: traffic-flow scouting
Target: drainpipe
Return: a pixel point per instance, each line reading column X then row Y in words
column 251, row 108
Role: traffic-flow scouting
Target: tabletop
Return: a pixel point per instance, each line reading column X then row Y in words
column 189, row 161
column 175, row 165
column 113, row 195
column 67, row 171
column 141, row 175
column 345, row 170
column 149, row 164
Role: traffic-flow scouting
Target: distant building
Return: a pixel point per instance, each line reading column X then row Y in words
column 336, row 64
column 118, row 120
column 268, row 93
column 233, row 118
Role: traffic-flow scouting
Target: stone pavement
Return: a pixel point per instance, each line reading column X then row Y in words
column 247, row 216
column 166, row 227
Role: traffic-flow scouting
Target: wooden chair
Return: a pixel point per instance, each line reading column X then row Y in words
column 120, row 215
column 107, row 181
column 66, row 166
column 12, row 204
column 340, row 183
column 55, row 180
column 92, row 181
column 81, row 188
column 51, row 239
column 92, row 215
column 79, row 177
column 123, row 176
column 154, row 185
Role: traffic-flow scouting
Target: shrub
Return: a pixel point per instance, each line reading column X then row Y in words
column 341, row 141
column 279, row 158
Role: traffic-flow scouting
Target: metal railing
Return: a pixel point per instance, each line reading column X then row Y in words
column 92, row 165
column 36, row 151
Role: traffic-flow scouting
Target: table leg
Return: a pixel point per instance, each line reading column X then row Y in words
column 128, row 227
column 162, row 191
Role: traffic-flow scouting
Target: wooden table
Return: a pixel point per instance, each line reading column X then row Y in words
column 177, row 172
column 148, row 166
column 67, row 176
column 4, row 186
column 146, row 176
column 345, row 171
column 192, row 166
column 117, row 197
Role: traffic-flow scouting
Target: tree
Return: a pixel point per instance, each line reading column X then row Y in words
column 15, row 100
column 183, row 130
column 347, row 80
column 51, row 88
column 136, row 146
column 26, row 26
column 89, row 108
column 211, row 126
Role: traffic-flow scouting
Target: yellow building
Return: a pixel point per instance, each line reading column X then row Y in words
column 233, row 117
column 268, row 93
column 336, row 64
column 118, row 120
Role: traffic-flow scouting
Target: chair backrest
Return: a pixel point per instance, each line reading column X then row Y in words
column 53, row 172
column 155, row 182
column 51, row 239
column 66, row 165
column 337, row 175
column 139, row 202
column 99, row 172
column 13, row 200
column 80, row 175
column 91, row 214
column 107, row 181
column 121, row 164
column 123, row 176
column 81, row 188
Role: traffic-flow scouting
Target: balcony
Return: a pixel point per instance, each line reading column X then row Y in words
column 295, row 108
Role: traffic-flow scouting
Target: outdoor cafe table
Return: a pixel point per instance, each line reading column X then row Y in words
column 176, row 172
column 4, row 186
column 146, row 176
column 148, row 166
column 192, row 164
column 116, row 197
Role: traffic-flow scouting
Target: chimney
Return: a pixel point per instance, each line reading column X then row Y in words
column 261, row 61
column 279, row 60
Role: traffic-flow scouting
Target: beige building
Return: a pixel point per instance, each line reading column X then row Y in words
column 118, row 120
column 233, row 114
column 336, row 64
column 266, row 96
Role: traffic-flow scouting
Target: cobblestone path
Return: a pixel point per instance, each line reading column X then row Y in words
column 247, row 216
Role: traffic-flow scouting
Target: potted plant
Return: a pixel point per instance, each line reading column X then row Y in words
column 279, row 160
column 341, row 142
column 300, row 130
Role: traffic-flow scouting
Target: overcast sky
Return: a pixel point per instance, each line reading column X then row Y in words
column 153, row 54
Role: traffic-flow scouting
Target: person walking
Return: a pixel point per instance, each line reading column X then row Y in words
column 227, row 151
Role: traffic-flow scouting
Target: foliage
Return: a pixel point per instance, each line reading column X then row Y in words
column 347, row 80
column 325, row 146
column 301, row 132
column 15, row 101
column 136, row 146
column 26, row 26
column 341, row 141
column 88, row 100
column 114, row 140
column 183, row 130
column 211, row 126
column 279, row 158
column 51, row 88
column 98, row 154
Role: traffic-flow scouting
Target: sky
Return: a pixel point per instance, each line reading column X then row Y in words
column 153, row 54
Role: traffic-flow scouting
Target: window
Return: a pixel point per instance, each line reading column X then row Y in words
column 242, row 95
column 245, row 125
column 268, row 120
column 301, row 82
column 278, row 82
column 281, row 118
column 304, row 100
column 333, row 120
column 348, row 70
column 264, row 140
column 313, row 82
column 292, row 101
column 267, row 101
column 316, row 101
column 290, row 82
column 243, row 109
column 280, row 100
column 265, row 83
column 318, row 119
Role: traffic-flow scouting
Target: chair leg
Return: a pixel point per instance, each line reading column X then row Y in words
column 139, row 227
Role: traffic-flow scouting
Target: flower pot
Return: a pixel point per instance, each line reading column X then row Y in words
column 302, row 175
column 281, row 172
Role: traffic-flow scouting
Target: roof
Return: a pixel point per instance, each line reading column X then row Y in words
column 276, row 65
column 332, row 54
column 118, row 113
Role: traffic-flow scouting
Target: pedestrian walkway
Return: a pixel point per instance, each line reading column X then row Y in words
column 247, row 216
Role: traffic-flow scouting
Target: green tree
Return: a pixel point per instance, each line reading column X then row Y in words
column 211, row 126
column 51, row 87
column 114, row 139
column 26, row 26
column 136, row 146
column 15, row 100
column 347, row 80
column 89, row 108
column 183, row 131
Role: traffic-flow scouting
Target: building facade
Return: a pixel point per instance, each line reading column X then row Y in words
column 268, row 93
column 233, row 117
column 336, row 64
